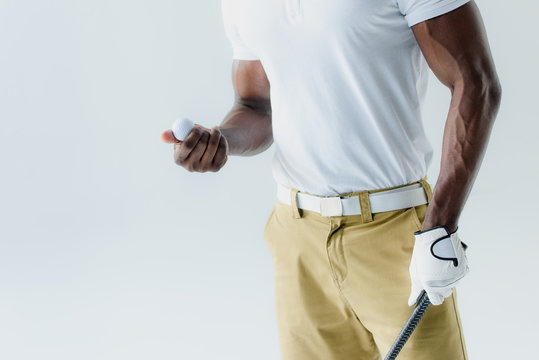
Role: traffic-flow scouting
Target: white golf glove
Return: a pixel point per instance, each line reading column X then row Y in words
column 438, row 263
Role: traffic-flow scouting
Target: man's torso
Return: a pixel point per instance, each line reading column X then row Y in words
column 347, row 81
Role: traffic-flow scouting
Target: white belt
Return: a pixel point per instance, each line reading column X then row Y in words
column 395, row 199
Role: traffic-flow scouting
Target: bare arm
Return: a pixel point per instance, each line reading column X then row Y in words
column 246, row 130
column 456, row 48
column 247, row 127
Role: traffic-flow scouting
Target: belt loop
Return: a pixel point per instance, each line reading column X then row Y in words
column 365, row 206
column 296, row 212
column 427, row 188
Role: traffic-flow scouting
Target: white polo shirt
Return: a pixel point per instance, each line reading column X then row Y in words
column 347, row 84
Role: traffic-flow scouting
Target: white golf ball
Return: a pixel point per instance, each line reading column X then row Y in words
column 181, row 128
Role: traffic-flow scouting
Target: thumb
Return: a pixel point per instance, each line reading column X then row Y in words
column 168, row 137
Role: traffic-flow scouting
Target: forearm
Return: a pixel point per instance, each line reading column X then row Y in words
column 474, row 105
column 247, row 129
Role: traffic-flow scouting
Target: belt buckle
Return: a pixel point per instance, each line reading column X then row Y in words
column 331, row 206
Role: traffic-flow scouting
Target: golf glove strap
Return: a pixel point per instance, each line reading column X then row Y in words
column 438, row 263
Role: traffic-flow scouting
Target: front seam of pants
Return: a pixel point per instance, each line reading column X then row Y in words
column 335, row 252
column 341, row 286
column 331, row 232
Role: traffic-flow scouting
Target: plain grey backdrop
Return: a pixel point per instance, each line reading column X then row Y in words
column 108, row 250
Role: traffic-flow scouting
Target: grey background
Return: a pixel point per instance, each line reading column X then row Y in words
column 108, row 250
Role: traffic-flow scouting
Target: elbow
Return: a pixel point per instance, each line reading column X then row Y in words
column 494, row 92
column 492, row 98
column 483, row 88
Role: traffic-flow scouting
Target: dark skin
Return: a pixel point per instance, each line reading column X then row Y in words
column 456, row 48
column 245, row 131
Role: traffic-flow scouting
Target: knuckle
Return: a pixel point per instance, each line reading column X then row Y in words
column 189, row 143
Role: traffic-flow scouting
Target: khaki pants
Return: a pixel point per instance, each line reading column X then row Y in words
column 342, row 285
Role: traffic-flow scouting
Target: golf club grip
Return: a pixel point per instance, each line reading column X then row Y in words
column 409, row 327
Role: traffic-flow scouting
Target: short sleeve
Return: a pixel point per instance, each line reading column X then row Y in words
column 416, row 11
column 239, row 50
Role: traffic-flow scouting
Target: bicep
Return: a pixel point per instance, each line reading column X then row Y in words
column 455, row 46
column 251, row 84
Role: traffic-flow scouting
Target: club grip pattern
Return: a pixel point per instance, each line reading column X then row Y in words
column 409, row 327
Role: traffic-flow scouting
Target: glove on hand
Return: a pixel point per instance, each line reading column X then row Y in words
column 438, row 263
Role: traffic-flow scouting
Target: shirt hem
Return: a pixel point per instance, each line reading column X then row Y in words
column 415, row 18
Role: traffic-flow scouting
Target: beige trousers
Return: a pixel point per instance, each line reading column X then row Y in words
column 342, row 285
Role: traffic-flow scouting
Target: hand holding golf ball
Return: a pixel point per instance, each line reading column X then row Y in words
column 197, row 148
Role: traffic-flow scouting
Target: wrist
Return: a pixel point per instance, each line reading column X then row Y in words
column 440, row 215
column 246, row 140
column 228, row 133
column 430, row 223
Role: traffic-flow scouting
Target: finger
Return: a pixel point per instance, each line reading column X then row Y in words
column 198, row 151
column 221, row 156
column 436, row 298
column 183, row 149
column 168, row 137
column 211, row 150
